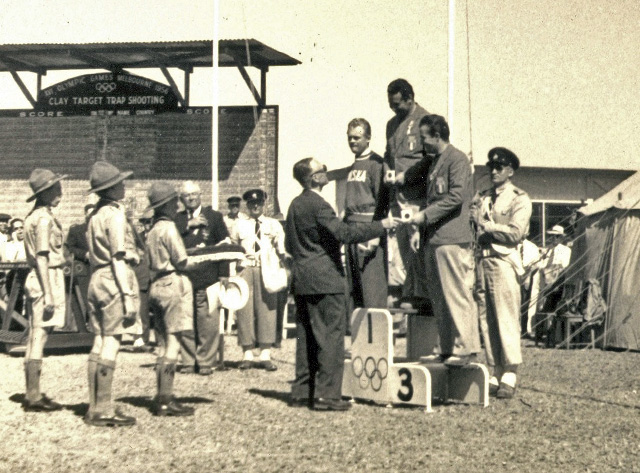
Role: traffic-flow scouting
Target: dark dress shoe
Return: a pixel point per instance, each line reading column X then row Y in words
column 434, row 358
column 505, row 391
column 267, row 365
column 458, row 360
column 245, row 365
column 171, row 409
column 187, row 370
column 321, row 404
column 44, row 404
column 206, row 371
column 294, row 402
column 493, row 389
column 117, row 419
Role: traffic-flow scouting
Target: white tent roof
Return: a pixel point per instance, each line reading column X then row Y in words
column 625, row 195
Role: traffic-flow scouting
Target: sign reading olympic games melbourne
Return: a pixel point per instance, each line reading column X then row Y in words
column 108, row 91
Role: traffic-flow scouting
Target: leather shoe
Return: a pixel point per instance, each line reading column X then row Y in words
column 206, row 371
column 458, row 361
column 322, row 404
column 266, row 365
column 187, row 370
column 117, row 419
column 44, row 404
column 493, row 389
column 299, row 402
column 245, row 365
column 171, row 409
column 505, row 391
column 433, row 358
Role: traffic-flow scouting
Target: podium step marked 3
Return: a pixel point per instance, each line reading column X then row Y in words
column 372, row 375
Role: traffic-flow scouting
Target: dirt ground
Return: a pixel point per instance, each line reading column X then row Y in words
column 575, row 411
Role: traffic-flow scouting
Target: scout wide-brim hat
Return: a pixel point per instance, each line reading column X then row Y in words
column 232, row 292
column 41, row 180
column 159, row 194
column 105, row 175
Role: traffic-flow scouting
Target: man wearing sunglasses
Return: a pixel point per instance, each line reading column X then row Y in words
column 313, row 236
column 502, row 216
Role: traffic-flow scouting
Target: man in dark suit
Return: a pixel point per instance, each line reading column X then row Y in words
column 200, row 226
column 313, row 237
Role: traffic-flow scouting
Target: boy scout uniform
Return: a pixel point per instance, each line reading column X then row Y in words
column 43, row 234
column 110, row 233
column 171, row 294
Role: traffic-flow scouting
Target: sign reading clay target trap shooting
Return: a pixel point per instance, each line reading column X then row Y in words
column 372, row 374
column 108, row 92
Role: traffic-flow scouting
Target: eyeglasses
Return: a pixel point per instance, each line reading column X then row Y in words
column 497, row 166
column 324, row 169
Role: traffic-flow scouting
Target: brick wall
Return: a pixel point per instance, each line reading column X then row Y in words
column 171, row 146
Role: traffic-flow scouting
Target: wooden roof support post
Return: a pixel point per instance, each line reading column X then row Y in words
column 187, row 85
column 173, row 85
column 39, row 84
column 263, row 84
column 247, row 79
column 23, row 87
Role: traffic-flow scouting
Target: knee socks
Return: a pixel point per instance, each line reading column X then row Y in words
column 32, row 370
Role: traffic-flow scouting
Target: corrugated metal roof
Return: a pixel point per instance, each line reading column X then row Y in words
column 251, row 52
column 182, row 54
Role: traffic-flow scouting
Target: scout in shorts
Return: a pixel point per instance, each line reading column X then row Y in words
column 44, row 287
column 112, row 298
column 170, row 294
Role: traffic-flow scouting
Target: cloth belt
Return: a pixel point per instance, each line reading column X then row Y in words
column 250, row 262
column 359, row 218
column 489, row 252
column 100, row 266
column 162, row 274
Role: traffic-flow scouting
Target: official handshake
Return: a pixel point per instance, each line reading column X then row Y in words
column 407, row 217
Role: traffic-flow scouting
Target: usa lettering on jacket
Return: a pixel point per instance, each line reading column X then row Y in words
column 357, row 175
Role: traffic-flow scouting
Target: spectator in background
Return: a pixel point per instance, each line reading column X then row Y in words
column 78, row 248
column 200, row 226
column 14, row 249
column 554, row 261
column 141, row 342
column 257, row 319
column 234, row 215
column 4, row 237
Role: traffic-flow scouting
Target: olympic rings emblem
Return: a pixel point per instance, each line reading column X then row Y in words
column 105, row 87
column 370, row 372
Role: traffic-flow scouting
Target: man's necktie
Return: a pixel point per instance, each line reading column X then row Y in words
column 256, row 244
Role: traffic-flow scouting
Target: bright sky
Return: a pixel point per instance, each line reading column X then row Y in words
column 557, row 83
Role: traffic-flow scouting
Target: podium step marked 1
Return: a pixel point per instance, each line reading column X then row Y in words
column 371, row 373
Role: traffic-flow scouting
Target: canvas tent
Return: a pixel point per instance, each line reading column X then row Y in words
column 608, row 249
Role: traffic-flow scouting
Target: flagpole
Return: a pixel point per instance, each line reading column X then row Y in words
column 452, row 39
column 214, row 109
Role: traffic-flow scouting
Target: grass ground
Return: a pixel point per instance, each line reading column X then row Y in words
column 575, row 411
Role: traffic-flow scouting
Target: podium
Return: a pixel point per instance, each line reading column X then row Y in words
column 373, row 375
